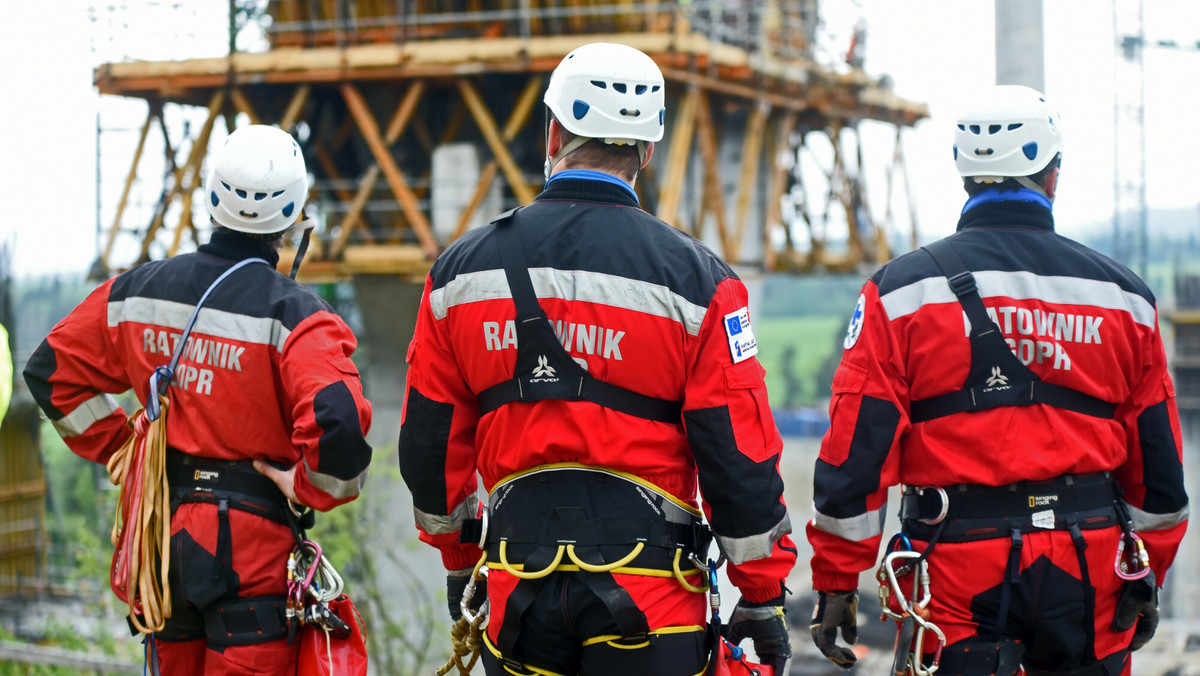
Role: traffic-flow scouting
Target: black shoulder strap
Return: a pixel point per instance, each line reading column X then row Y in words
column 997, row 377
column 544, row 369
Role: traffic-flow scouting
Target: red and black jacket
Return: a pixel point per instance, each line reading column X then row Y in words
column 1075, row 318
column 641, row 306
column 266, row 372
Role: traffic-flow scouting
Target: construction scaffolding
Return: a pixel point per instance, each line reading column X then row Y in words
column 409, row 112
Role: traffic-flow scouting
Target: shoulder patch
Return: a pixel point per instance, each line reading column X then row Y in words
column 742, row 345
column 856, row 322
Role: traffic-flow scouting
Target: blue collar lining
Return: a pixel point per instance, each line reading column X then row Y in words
column 592, row 175
column 1022, row 195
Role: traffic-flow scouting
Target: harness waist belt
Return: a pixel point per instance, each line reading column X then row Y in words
column 196, row 479
column 974, row 511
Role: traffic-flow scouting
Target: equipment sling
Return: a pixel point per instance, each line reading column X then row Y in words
column 544, row 368
column 997, row 377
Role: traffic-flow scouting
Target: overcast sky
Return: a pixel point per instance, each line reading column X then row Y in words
column 931, row 49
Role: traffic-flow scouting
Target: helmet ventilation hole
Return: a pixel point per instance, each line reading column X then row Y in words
column 1030, row 149
column 579, row 109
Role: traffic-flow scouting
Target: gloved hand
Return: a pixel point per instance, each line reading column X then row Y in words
column 766, row 625
column 1138, row 602
column 834, row 610
column 456, row 584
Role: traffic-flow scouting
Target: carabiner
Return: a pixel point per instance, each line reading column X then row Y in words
column 1137, row 558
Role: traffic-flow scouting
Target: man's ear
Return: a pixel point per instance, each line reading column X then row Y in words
column 1051, row 185
column 649, row 154
column 553, row 139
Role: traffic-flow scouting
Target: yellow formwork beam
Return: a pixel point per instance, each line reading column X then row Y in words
column 137, row 158
column 516, row 120
column 491, row 134
column 395, row 178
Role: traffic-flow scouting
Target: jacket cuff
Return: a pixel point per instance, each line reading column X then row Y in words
column 459, row 557
column 830, row 582
column 764, row 595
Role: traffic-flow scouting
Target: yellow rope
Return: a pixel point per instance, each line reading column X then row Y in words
column 467, row 639
column 142, row 528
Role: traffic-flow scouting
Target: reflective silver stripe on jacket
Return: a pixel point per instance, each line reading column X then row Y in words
column 1146, row 521
column 573, row 285
column 853, row 528
column 212, row 322
column 754, row 547
column 85, row 415
column 1021, row 285
column 335, row 487
column 436, row 524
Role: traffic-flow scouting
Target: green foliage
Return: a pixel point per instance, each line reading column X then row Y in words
column 811, row 340
column 403, row 638
column 786, row 296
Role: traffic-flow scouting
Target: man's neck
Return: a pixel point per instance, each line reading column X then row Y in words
column 592, row 175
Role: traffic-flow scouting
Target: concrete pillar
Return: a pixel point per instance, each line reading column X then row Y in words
column 389, row 313
column 1020, row 44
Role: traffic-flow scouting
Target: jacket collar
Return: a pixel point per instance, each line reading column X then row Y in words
column 235, row 246
column 1007, row 213
column 576, row 189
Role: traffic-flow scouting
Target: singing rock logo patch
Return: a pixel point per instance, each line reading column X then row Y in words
column 1042, row 500
column 742, row 345
column 205, row 475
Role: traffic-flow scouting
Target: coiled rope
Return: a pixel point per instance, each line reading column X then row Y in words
column 142, row 527
column 466, row 634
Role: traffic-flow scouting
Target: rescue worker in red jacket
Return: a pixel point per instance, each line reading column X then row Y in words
column 265, row 383
column 592, row 363
column 1014, row 382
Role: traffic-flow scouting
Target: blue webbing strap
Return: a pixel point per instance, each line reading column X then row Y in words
column 161, row 379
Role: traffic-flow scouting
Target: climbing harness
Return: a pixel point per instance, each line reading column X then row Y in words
column 544, row 369
column 535, row 524
column 466, row 635
column 573, row 518
column 142, row 528
column 910, row 611
column 971, row 512
column 997, row 377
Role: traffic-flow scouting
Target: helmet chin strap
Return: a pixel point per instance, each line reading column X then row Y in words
column 1032, row 185
column 567, row 149
column 307, row 224
column 578, row 141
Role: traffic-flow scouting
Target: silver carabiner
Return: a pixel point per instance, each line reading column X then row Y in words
column 945, row 504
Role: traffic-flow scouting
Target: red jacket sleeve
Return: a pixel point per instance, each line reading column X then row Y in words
column 1151, row 478
column 329, row 412
column 737, row 448
column 437, row 441
column 72, row 376
column 859, row 459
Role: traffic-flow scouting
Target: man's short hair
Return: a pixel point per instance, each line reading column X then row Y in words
column 622, row 161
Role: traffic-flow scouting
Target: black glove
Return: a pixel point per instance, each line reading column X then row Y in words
column 1138, row 602
column 766, row 625
column 834, row 610
column 456, row 584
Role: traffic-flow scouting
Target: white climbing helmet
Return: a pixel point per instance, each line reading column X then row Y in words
column 1006, row 131
column 258, row 183
column 608, row 91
